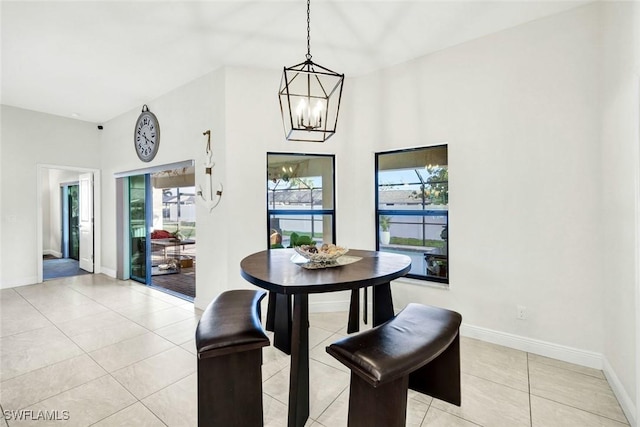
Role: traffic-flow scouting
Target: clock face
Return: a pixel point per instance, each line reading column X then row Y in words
column 147, row 136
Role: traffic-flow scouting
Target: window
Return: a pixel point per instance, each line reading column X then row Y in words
column 412, row 209
column 300, row 199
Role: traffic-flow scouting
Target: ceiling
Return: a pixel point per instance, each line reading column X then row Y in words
column 95, row 60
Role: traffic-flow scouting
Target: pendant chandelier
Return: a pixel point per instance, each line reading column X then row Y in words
column 310, row 98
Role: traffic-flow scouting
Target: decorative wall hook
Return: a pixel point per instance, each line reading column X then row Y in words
column 213, row 199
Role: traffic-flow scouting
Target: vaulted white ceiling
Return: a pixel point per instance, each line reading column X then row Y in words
column 95, row 60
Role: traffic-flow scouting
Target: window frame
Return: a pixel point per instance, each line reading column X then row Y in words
column 405, row 212
column 311, row 212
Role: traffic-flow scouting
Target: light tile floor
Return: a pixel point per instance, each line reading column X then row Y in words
column 116, row 353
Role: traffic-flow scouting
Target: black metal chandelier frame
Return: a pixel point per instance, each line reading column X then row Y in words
column 305, row 83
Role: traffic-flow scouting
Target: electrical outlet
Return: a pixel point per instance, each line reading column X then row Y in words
column 522, row 312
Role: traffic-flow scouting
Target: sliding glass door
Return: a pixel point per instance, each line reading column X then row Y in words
column 139, row 226
column 161, row 229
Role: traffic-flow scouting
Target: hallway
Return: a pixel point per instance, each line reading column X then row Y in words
column 55, row 268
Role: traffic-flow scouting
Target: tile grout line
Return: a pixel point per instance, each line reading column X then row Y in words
column 117, row 313
column 494, row 382
column 62, row 332
column 582, row 410
column 562, row 403
column 424, row 417
column 4, row 418
column 63, row 391
column 329, row 405
column 126, row 407
column 150, row 410
column 89, row 355
column 574, row 371
column 155, row 392
column 137, row 361
column 30, row 330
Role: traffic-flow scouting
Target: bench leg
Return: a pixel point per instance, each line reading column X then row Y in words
column 382, row 406
column 230, row 390
column 440, row 378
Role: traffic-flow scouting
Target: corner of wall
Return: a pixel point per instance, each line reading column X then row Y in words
column 627, row 404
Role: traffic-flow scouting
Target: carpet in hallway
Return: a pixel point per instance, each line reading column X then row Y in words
column 60, row 267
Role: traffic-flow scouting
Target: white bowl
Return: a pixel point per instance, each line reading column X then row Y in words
column 320, row 256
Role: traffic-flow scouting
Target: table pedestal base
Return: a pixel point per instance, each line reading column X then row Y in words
column 299, row 378
column 299, row 345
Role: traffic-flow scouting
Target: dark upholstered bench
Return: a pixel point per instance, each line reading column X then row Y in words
column 229, row 340
column 417, row 349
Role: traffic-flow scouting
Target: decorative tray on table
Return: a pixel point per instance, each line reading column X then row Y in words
column 311, row 257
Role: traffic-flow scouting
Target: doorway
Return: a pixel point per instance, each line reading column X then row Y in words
column 162, row 230
column 65, row 242
column 66, row 263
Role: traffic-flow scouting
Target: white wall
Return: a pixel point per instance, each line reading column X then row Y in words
column 539, row 135
column 28, row 139
column 183, row 114
column 519, row 110
column 620, row 185
column 240, row 106
column 253, row 128
column 543, row 212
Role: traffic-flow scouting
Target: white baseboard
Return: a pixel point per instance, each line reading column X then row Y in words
column 543, row 348
column 560, row 352
column 106, row 271
column 23, row 281
column 199, row 304
column 625, row 401
column 586, row 358
column 52, row 252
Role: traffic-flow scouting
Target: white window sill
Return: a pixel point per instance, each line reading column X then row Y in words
column 427, row 283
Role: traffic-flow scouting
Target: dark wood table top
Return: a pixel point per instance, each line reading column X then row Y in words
column 273, row 270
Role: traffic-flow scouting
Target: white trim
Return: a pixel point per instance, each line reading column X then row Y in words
column 543, row 348
column 52, row 252
column 559, row 352
column 108, row 271
column 23, row 281
column 97, row 222
column 155, row 168
column 621, row 394
column 421, row 282
column 411, row 147
column 634, row 421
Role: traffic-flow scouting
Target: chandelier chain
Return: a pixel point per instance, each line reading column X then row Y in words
column 308, row 30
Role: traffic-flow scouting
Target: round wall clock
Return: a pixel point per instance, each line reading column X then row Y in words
column 146, row 137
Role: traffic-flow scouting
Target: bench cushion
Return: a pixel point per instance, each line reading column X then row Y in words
column 413, row 338
column 231, row 323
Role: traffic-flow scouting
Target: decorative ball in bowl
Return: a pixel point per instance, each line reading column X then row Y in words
column 326, row 254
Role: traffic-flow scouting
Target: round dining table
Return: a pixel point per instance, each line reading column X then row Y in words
column 283, row 273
